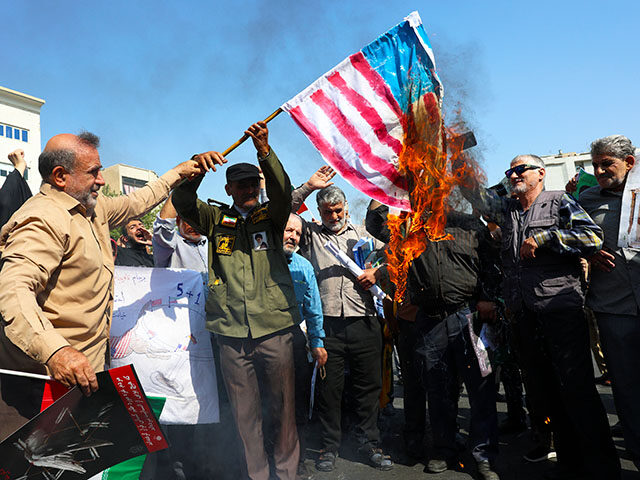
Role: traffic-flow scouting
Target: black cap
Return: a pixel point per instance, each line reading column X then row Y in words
column 240, row 171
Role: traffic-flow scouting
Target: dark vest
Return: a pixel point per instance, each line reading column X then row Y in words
column 548, row 282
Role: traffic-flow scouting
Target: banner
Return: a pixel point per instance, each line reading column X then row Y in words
column 159, row 326
column 78, row 436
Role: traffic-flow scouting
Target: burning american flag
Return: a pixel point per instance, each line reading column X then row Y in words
column 356, row 114
column 376, row 118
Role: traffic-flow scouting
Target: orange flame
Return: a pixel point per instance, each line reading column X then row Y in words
column 429, row 166
column 547, row 421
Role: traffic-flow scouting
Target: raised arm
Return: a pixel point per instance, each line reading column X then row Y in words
column 320, row 179
column 122, row 208
column 485, row 200
column 164, row 235
column 277, row 181
column 15, row 190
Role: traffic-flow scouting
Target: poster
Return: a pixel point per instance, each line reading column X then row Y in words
column 159, row 326
column 79, row 436
column 628, row 233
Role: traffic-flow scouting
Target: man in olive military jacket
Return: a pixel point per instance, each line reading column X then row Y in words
column 251, row 305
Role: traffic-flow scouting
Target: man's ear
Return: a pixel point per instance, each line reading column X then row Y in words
column 226, row 189
column 59, row 177
column 630, row 160
column 543, row 172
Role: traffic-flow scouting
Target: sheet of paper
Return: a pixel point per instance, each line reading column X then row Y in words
column 159, row 326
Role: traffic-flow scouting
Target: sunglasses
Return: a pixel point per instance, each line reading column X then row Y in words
column 520, row 169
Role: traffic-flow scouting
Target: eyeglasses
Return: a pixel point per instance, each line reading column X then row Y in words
column 520, row 169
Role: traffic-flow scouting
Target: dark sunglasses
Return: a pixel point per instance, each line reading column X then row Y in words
column 520, row 169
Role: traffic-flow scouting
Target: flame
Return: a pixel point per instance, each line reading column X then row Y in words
column 428, row 162
column 547, row 421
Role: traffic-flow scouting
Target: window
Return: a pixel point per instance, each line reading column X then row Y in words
column 131, row 184
column 12, row 132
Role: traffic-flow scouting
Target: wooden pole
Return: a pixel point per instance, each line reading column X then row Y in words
column 245, row 136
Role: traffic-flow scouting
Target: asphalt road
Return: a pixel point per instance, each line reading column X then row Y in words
column 510, row 466
column 221, row 452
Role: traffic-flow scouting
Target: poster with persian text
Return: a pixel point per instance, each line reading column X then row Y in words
column 78, row 436
column 159, row 326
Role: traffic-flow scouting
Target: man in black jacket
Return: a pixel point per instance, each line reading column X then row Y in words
column 454, row 282
column 15, row 190
column 135, row 253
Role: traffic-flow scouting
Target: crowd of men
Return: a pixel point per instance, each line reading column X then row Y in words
column 513, row 265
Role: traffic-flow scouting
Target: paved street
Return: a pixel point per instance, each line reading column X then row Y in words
column 221, row 452
column 510, row 467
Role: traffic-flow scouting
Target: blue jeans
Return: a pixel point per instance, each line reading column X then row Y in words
column 444, row 354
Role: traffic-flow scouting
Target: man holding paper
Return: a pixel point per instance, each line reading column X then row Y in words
column 353, row 333
column 309, row 342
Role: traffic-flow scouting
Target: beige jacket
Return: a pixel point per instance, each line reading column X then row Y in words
column 57, row 274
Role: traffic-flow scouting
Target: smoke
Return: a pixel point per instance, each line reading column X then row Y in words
column 467, row 90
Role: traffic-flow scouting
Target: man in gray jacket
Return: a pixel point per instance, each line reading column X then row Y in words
column 544, row 234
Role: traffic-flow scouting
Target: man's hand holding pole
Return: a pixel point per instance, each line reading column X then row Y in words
column 200, row 164
column 259, row 133
column 70, row 367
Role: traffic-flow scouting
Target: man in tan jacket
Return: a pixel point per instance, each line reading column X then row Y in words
column 56, row 295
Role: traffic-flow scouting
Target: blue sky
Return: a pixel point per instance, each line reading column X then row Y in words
column 159, row 81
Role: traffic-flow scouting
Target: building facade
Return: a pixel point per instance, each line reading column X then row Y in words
column 20, row 128
column 124, row 179
column 562, row 167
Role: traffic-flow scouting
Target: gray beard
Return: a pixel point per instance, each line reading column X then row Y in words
column 338, row 226
column 288, row 249
column 519, row 188
column 87, row 201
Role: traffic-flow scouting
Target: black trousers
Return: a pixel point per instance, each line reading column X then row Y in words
column 444, row 353
column 556, row 361
column 620, row 338
column 415, row 398
column 357, row 340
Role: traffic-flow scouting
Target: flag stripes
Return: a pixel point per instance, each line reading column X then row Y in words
column 354, row 176
column 120, row 345
column 351, row 117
